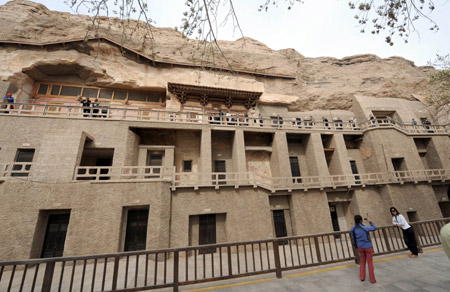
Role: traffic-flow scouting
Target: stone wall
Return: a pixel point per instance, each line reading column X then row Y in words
column 313, row 83
column 95, row 215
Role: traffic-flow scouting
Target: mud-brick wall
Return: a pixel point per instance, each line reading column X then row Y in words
column 96, row 215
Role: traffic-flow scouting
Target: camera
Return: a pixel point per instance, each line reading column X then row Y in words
column 365, row 219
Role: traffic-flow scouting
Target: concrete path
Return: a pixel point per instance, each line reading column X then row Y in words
column 430, row 272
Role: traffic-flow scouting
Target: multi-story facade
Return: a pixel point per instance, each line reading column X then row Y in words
column 195, row 157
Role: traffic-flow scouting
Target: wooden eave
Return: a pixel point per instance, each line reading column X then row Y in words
column 205, row 95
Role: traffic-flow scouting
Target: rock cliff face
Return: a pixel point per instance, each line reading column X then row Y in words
column 320, row 83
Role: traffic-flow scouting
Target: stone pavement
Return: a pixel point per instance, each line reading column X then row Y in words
column 430, row 272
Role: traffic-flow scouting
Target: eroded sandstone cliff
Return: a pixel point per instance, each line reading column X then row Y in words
column 319, row 83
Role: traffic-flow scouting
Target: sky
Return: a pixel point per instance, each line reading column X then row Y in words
column 325, row 28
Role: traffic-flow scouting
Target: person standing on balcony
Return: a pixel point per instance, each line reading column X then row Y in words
column 325, row 122
column 372, row 120
column 408, row 232
column 228, row 116
column 95, row 109
column 220, row 116
column 361, row 239
column 8, row 100
column 86, row 103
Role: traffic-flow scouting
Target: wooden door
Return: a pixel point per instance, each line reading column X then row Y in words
column 55, row 235
column 136, row 233
column 279, row 223
column 207, row 231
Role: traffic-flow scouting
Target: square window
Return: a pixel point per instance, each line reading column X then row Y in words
column 22, row 165
column 137, row 96
column 187, row 165
column 70, row 91
column 55, row 90
column 24, row 155
column 43, row 88
column 90, row 92
column 120, row 95
column 106, row 93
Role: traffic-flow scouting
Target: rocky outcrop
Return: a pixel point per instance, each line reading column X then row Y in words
column 319, row 83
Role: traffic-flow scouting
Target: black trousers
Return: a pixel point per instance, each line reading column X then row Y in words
column 410, row 240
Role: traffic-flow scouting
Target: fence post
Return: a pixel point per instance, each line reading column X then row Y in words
column 419, row 244
column 316, row 242
column 48, row 277
column 386, row 240
column 230, row 267
column 175, row 270
column 276, row 255
column 115, row 273
column 355, row 251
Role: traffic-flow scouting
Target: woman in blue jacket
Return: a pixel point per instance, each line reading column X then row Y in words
column 361, row 239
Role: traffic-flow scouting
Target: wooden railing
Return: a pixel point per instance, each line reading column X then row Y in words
column 153, row 269
column 177, row 116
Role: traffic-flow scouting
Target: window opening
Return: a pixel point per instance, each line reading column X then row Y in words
column 137, row 96
column 70, row 91
column 412, row 216
column 43, row 88
column 105, row 94
column 23, row 157
column 90, row 92
column 155, row 159
column 55, row 90
column 355, row 171
column 220, row 166
column 155, row 96
column 295, row 169
column 187, row 165
column 398, row 164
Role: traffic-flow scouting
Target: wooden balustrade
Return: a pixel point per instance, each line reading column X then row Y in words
column 153, row 269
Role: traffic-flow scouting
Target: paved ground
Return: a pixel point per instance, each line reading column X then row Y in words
column 430, row 272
